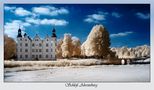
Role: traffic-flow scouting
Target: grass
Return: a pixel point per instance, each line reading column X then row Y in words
column 58, row 63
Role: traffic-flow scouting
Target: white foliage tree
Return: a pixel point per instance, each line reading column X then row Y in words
column 97, row 43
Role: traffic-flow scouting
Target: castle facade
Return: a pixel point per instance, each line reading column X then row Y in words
column 36, row 48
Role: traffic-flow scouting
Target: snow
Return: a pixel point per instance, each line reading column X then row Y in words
column 99, row 73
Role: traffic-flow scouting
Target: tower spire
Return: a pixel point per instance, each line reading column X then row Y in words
column 19, row 32
column 54, row 32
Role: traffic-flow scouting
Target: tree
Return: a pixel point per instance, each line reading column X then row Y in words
column 97, row 43
column 66, row 46
column 58, row 49
column 9, row 48
column 76, row 47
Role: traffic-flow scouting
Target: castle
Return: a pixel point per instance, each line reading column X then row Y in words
column 36, row 49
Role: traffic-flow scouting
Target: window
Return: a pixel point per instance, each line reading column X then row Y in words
column 36, row 39
column 47, row 39
column 46, row 56
column 33, row 56
column 40, row 45
column 36, row 50
column 20, row 50
column 51, row 56
column 20, row 38
column 26, row 56
column 20, row 44
column 46, row 50
column 26, row 50
column 26, row 44
column 20, row 56
column 51, row 50
column 33, row 50
column 33, row 45
column 47, row 44
column 51, row 44
column 39, row 50
column 25, row 39
column 37, row 56
column 40, row 56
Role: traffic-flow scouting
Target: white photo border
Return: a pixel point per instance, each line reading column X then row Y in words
column 49, row 86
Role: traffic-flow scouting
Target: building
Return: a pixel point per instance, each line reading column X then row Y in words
column 36, row 49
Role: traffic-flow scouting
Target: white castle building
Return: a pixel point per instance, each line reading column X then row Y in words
column 36, row 49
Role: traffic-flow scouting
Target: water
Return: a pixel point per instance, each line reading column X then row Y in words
column 100, row 73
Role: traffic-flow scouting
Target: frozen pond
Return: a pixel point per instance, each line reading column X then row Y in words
column 99, row 73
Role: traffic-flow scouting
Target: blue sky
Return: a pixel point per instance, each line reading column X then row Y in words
column 128, row 24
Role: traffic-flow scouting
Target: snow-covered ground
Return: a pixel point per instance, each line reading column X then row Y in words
column 99, row 73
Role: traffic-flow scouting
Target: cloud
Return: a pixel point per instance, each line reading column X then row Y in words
column 95, row 18
column 90, row 20
column 142, row 15
column 22, row 12
column 11, row 28
column 41, row 10
column 7, row 8
column 49, row 10
column 56, row 22
column 32, row 20
column 121, row 34
column 116, row 14
column 101, row 16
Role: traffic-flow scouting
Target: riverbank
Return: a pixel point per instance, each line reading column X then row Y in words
column 95, row 73
column 67, row 62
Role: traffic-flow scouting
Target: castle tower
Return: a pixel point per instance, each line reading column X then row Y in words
column 54, row 34
column 54, row 40
column 19, row 33
column 19, row 44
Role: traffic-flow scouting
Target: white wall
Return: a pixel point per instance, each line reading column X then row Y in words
column 34, row 51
